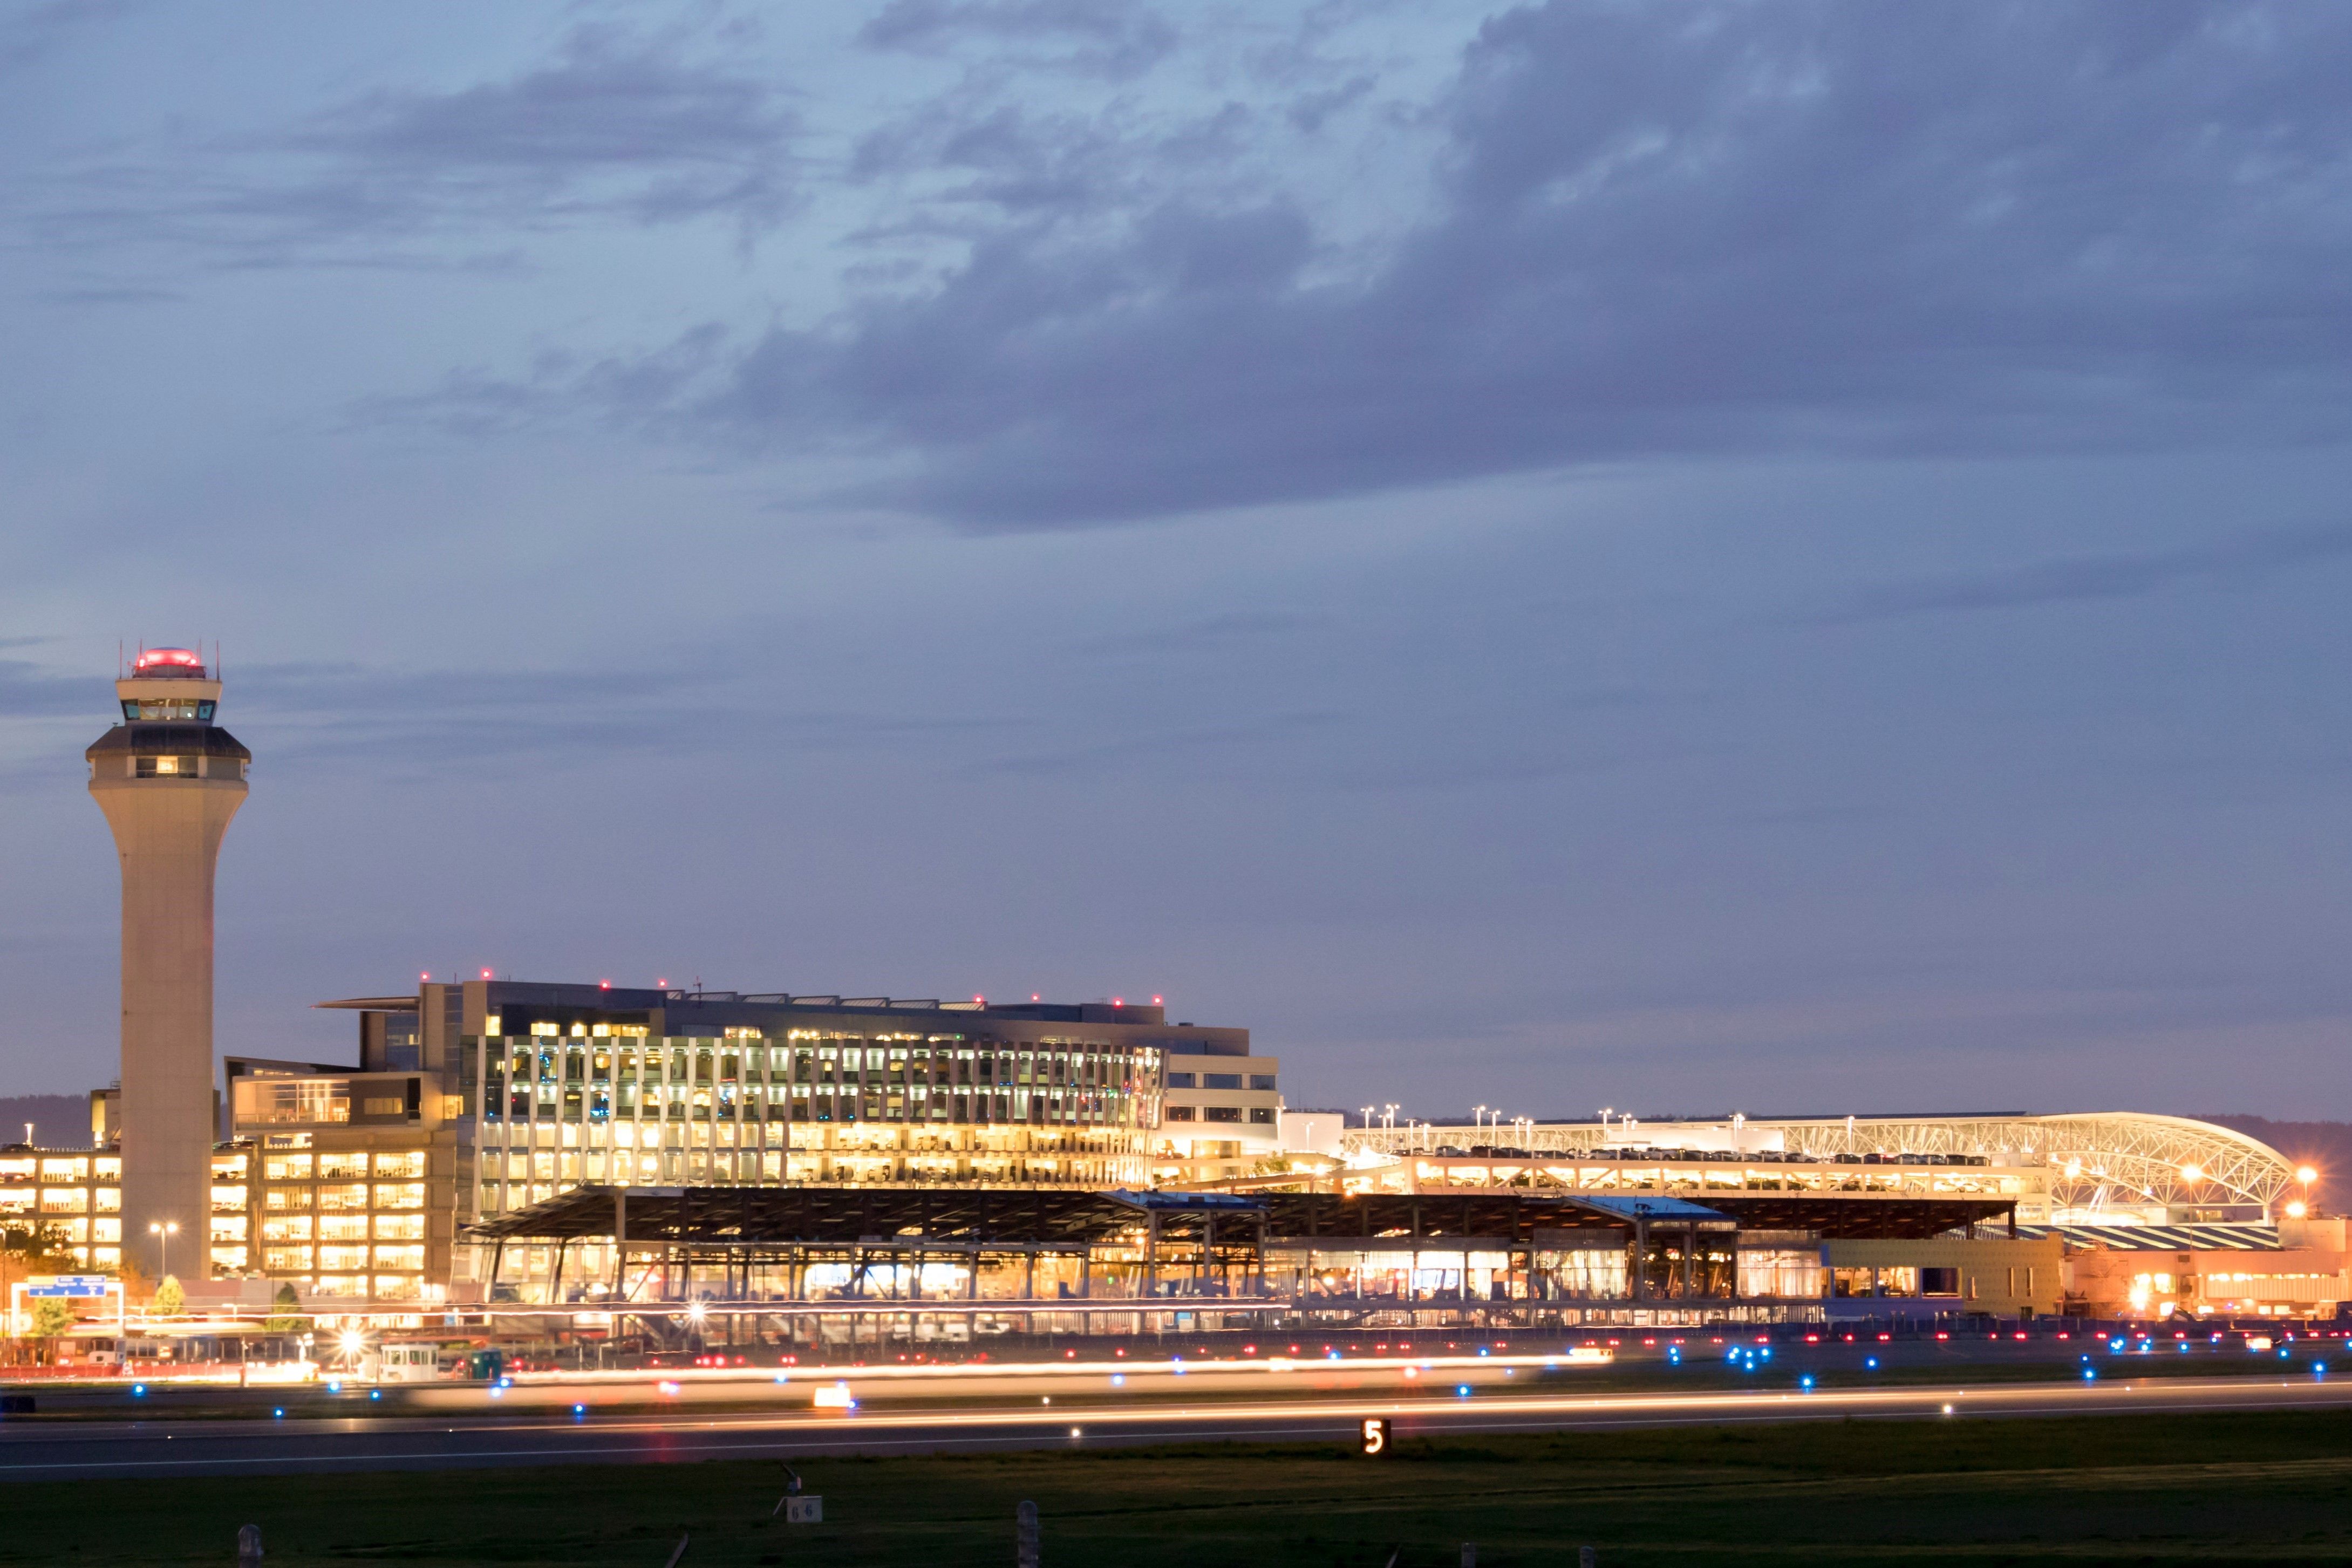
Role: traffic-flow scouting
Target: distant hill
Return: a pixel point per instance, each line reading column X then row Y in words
column 2324, row 1145
column 59, row 1120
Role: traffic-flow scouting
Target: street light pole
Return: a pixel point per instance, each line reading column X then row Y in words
column 166, row 1229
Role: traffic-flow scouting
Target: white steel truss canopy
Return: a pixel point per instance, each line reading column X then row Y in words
column 2124, row 1161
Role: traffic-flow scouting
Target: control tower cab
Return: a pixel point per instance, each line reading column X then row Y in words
column 168, row 779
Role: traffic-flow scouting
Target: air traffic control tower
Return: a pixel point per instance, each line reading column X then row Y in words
column 168, row 779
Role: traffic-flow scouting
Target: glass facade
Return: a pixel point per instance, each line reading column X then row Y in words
column 336, row 1223
column 75, row 1198
column 602, row 1103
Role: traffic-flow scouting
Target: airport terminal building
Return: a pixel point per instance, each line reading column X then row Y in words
column 474, row 1099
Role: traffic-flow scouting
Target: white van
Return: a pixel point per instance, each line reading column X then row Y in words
column 401, row 1363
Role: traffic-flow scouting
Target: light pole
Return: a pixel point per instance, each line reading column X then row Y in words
column 167, row 1229
column 1368, row 1118
column 2307, row 1175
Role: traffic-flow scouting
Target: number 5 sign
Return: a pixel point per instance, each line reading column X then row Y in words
column 1375, row 1439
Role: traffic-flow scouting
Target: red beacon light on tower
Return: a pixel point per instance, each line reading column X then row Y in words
column 167, row 660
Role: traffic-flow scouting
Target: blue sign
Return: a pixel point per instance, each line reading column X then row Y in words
column 73, row 1286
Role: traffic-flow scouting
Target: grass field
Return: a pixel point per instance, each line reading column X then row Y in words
column 2218, row 1489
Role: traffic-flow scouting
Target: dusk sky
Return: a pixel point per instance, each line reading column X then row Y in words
column 1686, row 557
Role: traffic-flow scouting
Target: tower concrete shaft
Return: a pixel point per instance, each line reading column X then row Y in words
column 168, row 779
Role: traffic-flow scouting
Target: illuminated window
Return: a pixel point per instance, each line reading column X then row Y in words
column 293, row 1099
column 165, row 767
column 351, row 1196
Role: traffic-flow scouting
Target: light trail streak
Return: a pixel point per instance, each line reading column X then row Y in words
column 359, row 1444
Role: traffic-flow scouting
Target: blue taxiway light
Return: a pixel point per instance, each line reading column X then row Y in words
column 1872, row 1362
column 280, row 1410
column 139, row 1391
column 1462, row 1389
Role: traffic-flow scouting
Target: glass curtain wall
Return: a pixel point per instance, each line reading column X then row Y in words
column 609, row 1104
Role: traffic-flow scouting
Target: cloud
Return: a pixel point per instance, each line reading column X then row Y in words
column 614, row 128
column 685, row 703
column 1724, row 228
column 1206, row 633
column 26, row 691
column 34, row 32
column 2110, row 576
column 1097, row 37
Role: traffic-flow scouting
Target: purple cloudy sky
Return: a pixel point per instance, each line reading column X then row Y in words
column 1781, row 557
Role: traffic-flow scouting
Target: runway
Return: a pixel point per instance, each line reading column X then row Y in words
column 41, row 1450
